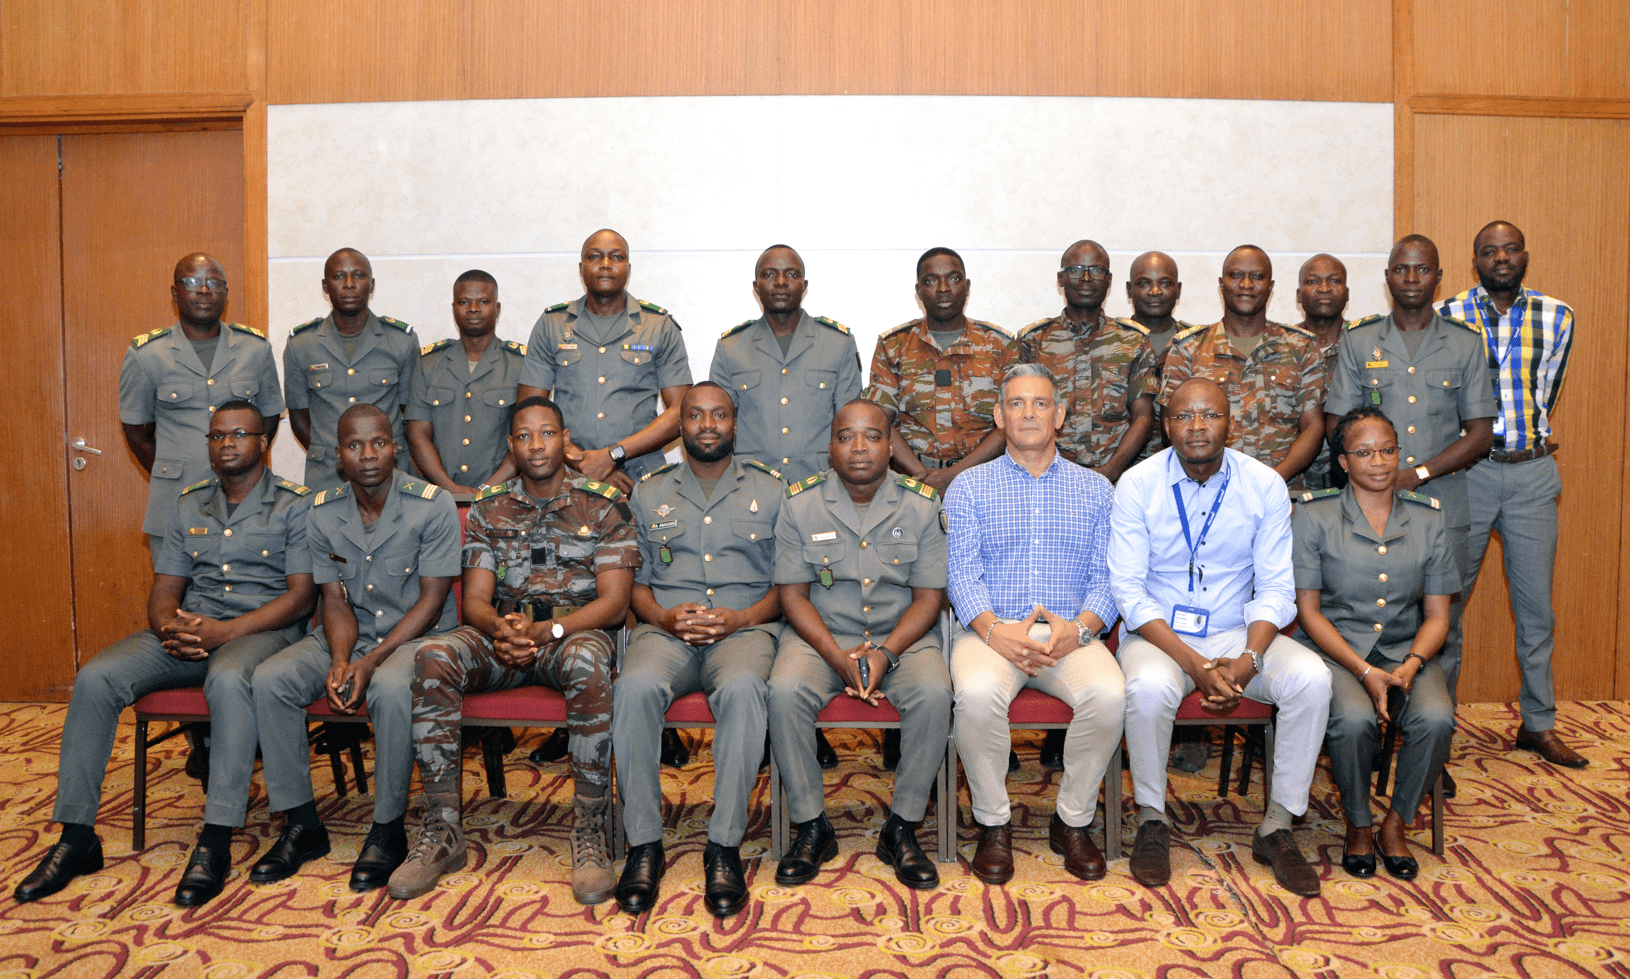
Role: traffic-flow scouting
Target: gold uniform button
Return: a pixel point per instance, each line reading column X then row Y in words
column 786, row 431
column 602, row 380
column 211, row 407
column 1380, row 603
column 210, row 382
column 868, row 633
column 1412, row 429
column 783, row 400
column 710, row 593
column 1381, row 550
column 227, row 532
column 469, row 394
column 826, row 560
column 500, row 402
column 786, row 462
column 370, row 588
column 228, row 587
column 435, row 402
column 602, row 349
column 865, row 581
column 1445, row 383
column 384, row 380
column 1382, row 576
column 466, row 417
column 823, row 384
column 379, row 613
column 1412, row 370
column 602, row 415
column 744, row 387
column 1412, row 399
column 783, row 370
column 226, row 567
column 353, row 370
column 865, row 608
column 265, row 553
column 707, row 519
column 896, row 560
column 353, row 400
column 752, row 537
column 1410, row 459
column 862, row 543
column 707, row 557
column 463, row 469
column 369, row 557
column 466, row 441
column 1378, row 627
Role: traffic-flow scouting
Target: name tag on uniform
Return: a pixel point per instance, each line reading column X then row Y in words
column 638, row 346
column 1373, row 364
column 665, row 525
column 817, row 538
column 565, row 346
column 339, row 559
column 1187, row 620
column 319, row 367
column 197, row 531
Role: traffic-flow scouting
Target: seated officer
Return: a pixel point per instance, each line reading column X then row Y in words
column 208, row 625
column 384, row 550
column 559, row 556
column 707, row 607
column 876, row 546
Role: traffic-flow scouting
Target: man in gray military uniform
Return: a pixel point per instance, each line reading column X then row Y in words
column 1430, row 375
column 875, row 545
column 231, row 587
column 385, row 549
column 707, row 607
column 348, row 357
column 173, row 378
column 789, row 371
column 463, row 391
column 605, row 357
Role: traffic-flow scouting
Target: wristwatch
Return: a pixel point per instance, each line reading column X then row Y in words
column 1422, row 473
column 1256, row 659
column 1083, row 634
column 557, row 630
column 619, row 455
column 892, row 656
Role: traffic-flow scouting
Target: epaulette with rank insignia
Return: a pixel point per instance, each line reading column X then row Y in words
column 1474, row 327
column 293, row 487
column 598, row 488
column 899, row 329
column 1421, row 498
column 1311, row 495
column 804, row 484
column 248, row 329
column 329, row 495
column 658, row 472
column 834, row 324
column 515, row 348
column 424, row 491
column 917, row 486
column 557, row 307
column 653, row 307
column 431, row 348
column 744, row 324
column 197, row 486
column 754, row 463
column 1128, row 323
column 142, row 338
column 1293, row 328
column 389, row 321
column 1191, row 331
column 489, row 491
column 1037, row 325
column 307, row 325
column 1366, row 321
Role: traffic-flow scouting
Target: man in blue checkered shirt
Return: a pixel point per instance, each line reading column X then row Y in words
column 1028, row 541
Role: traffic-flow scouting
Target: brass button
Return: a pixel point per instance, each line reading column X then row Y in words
column 368, row 557
column 896, row 560
column 862, row 543
column 1412, row 399
column 1412, row 429
column 1412, row 370
column 865, row 581
column 379, row 613
column 786, row 431
column 826, row 560
column 744, row 387
column 384, row 380
column 707, row 557
column 228, row 587
column 500, row 402
column 1382, row 549
column 783, row 400
column 370, row 588
column 435, row 402
column 1378, row 627
column 710, row 593
column 353, row 400
column 1410, row 459
column 1445, row 383
column 210, row 382
column 707, row 519
column 823, row 384
column 466, row 441
column 469, row 394
column 211, row 407
column 752, row 537
column 265, row 553
column 351, row 371
column 786, row 462
column 1382, row 576
column 1375, row 380
column 466, row 417
column 602, row 415
column 227, row 532
column 1380, row 603
column 868, row 633
column 602, row 349
column 783, row 370
column 603, row 380
column 226, row 567
column 463, row 469
column 865, row 608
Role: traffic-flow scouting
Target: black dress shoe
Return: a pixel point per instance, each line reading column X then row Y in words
column 1402, row 868
column 824, row 755
column 1151, row 862
column 553, row 747
column 383, row 851
column 674, row 752
column 205, row 875
column 61, row 864
column 637, row 887
column 294, row 846
column 815, row 844
column 897, row 846
column 891, row 749
column 1359, row 864
column 1012, row 761
column 726, row 883
column 1052, row 749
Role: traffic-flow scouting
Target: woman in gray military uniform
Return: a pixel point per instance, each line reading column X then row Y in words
column 1374, row 576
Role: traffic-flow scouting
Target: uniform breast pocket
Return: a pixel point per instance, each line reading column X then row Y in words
column 822, row 380
column 168, row 468
column 245, row 387
column 1377, row 387
column 439, row 396
column 320, row 379
column 897, row 554
column 381, row 377
column 174, row 393
column 747, row 380
column 266, row 552
column 753, row 531
column 824, row 554
column 642, row 364
column 1446, row 382
column 205, row 548
column 498, row 398
column 1108, row 388
column 400, row 564
column 1283, row 389
column 660, row 532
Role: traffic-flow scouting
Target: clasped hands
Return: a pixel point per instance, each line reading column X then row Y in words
column 1012, row 641
column 190, row 637
column 698, row 625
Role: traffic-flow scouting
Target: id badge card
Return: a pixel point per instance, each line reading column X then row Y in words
column 1188, row 620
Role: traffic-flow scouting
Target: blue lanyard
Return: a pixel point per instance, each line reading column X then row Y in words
column 1516, row 332
column 1183, row 515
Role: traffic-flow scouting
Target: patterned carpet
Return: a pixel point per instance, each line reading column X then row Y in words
column 1533, row 885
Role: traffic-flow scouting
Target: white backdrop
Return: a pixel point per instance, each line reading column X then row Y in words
column 860, row 185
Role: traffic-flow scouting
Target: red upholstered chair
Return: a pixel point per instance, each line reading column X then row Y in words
column 1249, row 713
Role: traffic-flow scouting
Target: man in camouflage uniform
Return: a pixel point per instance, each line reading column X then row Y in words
column 558, row 555
column 1105, row 368
column 1321, row 291
column 1274, row 374
column 1153, row 288
column 940, row 374
column 346, row 358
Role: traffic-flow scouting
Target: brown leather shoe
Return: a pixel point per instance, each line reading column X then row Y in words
column 993, row 861
column 1151, row 862
column 1550, row 748
column 1082, row 858
column 1290, row 868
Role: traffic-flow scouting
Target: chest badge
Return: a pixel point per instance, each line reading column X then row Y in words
column 666, row 555
column 826, row 577
column 584, row 531
column 897, row 533
column 664, row 510
column 1376, row 353
column 753, row 508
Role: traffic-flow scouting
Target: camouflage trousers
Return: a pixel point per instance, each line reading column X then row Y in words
column 448, row 666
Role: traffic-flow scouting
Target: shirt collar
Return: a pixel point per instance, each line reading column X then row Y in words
column 1176, row 474
column 1052, row 467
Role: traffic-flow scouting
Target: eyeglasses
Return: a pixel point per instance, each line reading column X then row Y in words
column 1187, row 417
column 1362, row 455
column 193, row 283
column 236, row 435
column 1077, row 271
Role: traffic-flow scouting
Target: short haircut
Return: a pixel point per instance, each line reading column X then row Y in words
column 935, row 253
column 1027, row 370
column 729, row 395
column 363, row 411
column 889, row 414
column 477, row 275
column 238, row 404
column 536, row 401
column 1338, row 438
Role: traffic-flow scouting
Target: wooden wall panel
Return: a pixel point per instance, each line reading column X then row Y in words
column 1563, row 182
column 110, row 47
column 1553, row 48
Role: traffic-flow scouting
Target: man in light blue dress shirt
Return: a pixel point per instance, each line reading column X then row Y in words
column 1200, row 566
column 1028, row 541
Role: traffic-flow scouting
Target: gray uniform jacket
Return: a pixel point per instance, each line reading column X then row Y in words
column 863, row 568
column 235, row 563
column 1428, row 396
column 786, row 401
column 322, row 377
column 607, row 387
column 718, row 550
column 468, row 410
column 1371, row 585
column 162, row 381
column 416, row 536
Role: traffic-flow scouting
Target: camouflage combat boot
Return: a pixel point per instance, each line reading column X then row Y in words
column 440, row 850
column 592, row 881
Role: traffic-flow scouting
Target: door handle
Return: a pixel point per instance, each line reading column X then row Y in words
column 79, row 443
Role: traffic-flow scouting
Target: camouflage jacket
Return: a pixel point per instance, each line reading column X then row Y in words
column 1101, row 368
column 946, row 398
column 549, row 552
column 1317, row 476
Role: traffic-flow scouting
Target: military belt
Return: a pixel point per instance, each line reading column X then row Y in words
column 939, row 463
column 1526, row 455
column 539, row 611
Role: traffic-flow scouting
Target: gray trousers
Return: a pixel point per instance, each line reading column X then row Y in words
column 801, row 685
column 658, row 667
column 137, row 665
column 286, row 685
column 1354, row 736
column 1519, row 500
column 1448, row 658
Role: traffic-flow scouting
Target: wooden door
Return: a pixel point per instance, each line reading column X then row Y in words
column 132, row 205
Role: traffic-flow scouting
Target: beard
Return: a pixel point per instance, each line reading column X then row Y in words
column 725, row 447
column 1495, row 282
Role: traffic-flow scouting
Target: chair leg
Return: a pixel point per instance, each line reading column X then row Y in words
column 779, row 830
column 1383, row 774
column 492, row 755
column 138, row 822
column 944, row 811
column 359, row 773
column 325, row 738
column 1112, row 805
column 1437, row 814
column 619, row 841
column 1267, row 765
column 1225, row 765
column 1247, row 760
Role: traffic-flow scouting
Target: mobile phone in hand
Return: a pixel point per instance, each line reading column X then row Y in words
column 346, row 688
column 865, row 672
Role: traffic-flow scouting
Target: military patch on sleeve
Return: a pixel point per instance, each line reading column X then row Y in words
column 489, row 491
column 197, row 486
column 653, row 307
column 293, row 487
column 329, row 496
column 307, row 325
column 804, row 484
column 424, row 491
column 140, row 339
column 1421, row 498
column 431, row 348
column 744, row 324
column 557, row 307
column 943, row 525
column 1366, row 321
column 657, row 472
column 1316, row 495
column 598, row 488
column 834, row 324
column 398, row 324
column 761, row 466
column 248, row 329
column 1128, row 323
column 917, row 486
column 513, row 347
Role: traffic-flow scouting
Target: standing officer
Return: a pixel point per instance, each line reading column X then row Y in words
column 1321, row 291
column 1153, row 288
column 788, row 370
column 939, row 373
column 1274, row 374
column 876, row 547
column 207, row 625
column 707, row 605
column 1529, row 335
column 173, row 378
column 384, row 551
column 462, row 394
column 349, row 357
column 1104, row 367
column 1429, row 373
column 548, row 565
